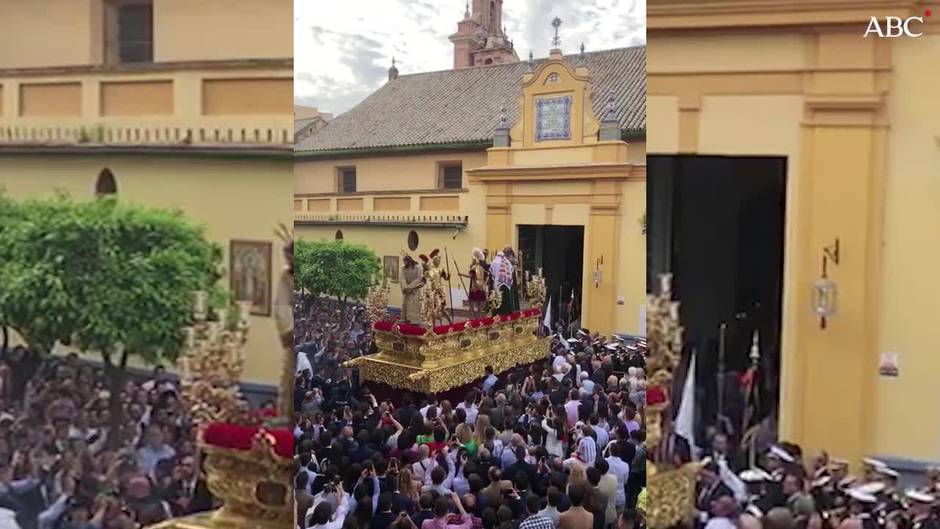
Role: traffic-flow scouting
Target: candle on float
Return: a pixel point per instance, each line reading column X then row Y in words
column 190, row 337
column 674, row 311
column 213, row 330
column 187, row 370
column 664, row 283
column 526, row 275
column 223, row 317
column 244, row 310
column 199, row 306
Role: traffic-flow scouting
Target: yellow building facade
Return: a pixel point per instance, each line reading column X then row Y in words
column 167, row 103
column 490, row 181
column 857, row 120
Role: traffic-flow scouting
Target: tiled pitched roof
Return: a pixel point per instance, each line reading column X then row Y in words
column 299, row 124
column 462, row 106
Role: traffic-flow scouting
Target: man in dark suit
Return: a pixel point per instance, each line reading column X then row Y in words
column 407, row 410
column 520, row 466
column 425, row 502
column 302, row 498
column 189, row 493
column 384, row 516
column 710, row 488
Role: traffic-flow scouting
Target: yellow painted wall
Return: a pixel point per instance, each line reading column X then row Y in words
column 631, row 259
column 70, row 32
column 247, row 96
column 50, row 99
column 389, row 240
column 911, row 295
column 785, row 94
column 143, row 98
column 234, row 199
column 382, row 173
column 48, row 32
column 185, row 30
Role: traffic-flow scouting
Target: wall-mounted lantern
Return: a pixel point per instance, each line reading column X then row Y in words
column 825, row 290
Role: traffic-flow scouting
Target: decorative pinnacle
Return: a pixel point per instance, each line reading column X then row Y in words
column 531, row 61
column 503, row 118
column 466, row 13
column 611, row 109
column 556, row 23
column 582, row 50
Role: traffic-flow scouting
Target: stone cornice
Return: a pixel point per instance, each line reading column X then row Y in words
column 623, row 171
column 150, row 67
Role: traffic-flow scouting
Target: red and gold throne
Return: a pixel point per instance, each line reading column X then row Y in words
column 435, row 359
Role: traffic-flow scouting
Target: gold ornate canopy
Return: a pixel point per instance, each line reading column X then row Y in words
column 671, row 490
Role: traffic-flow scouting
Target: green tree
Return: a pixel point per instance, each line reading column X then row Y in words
column 334, row 268
column 103, row 277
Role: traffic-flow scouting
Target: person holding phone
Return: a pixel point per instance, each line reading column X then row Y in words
column 442, row 517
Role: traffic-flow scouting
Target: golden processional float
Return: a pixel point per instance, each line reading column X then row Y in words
column 434, row 359
column 671, row 489
column 247, row 455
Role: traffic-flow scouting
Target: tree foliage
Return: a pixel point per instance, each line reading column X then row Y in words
column 101, row 276
column 334, row 268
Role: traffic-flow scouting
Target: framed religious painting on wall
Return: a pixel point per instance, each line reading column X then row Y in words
column 250, row 274
column 390, row 268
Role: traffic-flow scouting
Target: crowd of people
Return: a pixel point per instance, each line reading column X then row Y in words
column 63, row 464
column 555, row 444
column 784, row 489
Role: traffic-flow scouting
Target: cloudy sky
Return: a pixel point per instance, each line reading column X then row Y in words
column 342, row 50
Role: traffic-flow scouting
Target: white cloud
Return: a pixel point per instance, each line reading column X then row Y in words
column 342, row 50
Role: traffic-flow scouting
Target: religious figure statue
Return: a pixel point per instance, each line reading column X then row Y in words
column 435, row 295
column 479, row 282
column 412, row 286
column 503, row 272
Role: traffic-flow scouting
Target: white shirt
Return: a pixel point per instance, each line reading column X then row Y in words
column 621, row 471
column 424, row 411
column 8, row 519
column 303, row 363
column 720, row 523
column 338, row 517
column 489, row 382
column 472, row 412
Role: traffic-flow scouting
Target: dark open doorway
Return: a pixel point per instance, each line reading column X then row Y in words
column 717, row 224
column 559, row 251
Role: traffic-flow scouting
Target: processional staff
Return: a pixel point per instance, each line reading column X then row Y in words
column 722, row 331
column 459, row 276
column 450, row 287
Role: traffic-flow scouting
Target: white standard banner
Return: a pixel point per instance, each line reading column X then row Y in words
column 643, row 320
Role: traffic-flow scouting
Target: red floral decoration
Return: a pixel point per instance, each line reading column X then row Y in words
column 655, row 395
column 235, row 437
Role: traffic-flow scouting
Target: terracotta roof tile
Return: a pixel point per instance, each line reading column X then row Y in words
column 460, row 106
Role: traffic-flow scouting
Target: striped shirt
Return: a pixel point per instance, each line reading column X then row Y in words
column 587, row 450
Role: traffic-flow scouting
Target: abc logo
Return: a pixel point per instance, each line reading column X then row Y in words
column 894, row 27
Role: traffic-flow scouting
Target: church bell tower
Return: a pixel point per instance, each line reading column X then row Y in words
column 480, row 38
